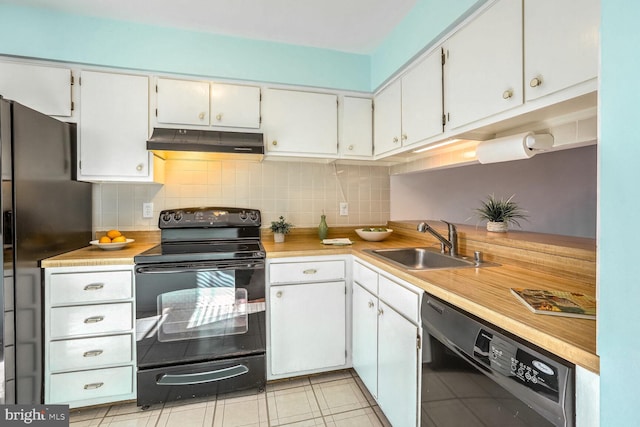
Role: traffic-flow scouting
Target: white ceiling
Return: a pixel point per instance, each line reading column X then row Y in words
column 356, row 26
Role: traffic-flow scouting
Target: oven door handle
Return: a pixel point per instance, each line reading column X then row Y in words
column 186, row 268
column 202, row 377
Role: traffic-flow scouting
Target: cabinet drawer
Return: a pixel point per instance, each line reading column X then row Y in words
column 400, row 298
column 88, row 353
column 69, row 288
column 365, row 277
column 316, row 271
column 94, row 384
column 90, row 319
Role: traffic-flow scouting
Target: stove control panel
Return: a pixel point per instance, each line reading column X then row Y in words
column 205, row 217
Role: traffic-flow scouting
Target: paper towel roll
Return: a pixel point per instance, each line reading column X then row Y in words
column 513, row 147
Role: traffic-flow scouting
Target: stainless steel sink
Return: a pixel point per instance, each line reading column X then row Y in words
column 422, row 259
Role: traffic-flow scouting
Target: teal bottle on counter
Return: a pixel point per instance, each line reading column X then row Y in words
column 323, row 228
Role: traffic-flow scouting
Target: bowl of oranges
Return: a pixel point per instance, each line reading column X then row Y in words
column 111, row 241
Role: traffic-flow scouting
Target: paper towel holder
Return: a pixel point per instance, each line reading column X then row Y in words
column 539, row 142
column 520, row 146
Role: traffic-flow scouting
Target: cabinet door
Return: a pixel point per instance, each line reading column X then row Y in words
column 398, row 368
column 422, row 100
column 356, row 135
column 483, row 68
column 235, row 106
column 365, row 337
column 300, row 122
column 561, row 39
column 182, row 102
column 114, row 127
column 307, row 327
column 45, row 89
column 387, row 119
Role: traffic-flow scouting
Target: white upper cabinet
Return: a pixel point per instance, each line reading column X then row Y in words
column 387, row 119
column 409, row 110
column 198, row 103
column 483, row 65
column 561, row 44
column 422, row 100
column 113, row 130
column 45, row 89
column 300, row 123
column 235, row 106
column 182, row 102
column 356, row 132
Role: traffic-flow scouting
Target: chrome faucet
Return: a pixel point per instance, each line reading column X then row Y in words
column 451, row 243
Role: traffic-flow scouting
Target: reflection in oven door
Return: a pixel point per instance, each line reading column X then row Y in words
column 187, row 315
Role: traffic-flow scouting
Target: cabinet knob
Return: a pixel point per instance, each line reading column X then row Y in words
column 278, row 294
column 201, row 116
column 219, row 116
column 370, row 304
column 395, row 139
column 507, row 94
column 139, row 167
column 350, row 148
column 535, row 82
column 404, row 136
column 274, row 143
column 380, row 312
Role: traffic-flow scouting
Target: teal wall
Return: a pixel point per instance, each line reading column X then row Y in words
column 619, row 234
column 45, row 34
column 428, row 19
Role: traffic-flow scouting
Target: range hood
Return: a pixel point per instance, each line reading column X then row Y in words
column 187, row 143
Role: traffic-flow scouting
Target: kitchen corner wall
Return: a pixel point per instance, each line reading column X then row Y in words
column 557, row 189
column 299, row 191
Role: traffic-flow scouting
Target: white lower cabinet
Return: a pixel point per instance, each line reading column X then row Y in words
column 307, row 316
column 386, row 342
column 89, row 335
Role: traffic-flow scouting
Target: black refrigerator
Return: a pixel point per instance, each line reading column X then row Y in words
column 45, row 212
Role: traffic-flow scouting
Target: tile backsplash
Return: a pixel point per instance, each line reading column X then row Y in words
column 296, row 190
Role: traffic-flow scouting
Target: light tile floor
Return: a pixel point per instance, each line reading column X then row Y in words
column 336, row 399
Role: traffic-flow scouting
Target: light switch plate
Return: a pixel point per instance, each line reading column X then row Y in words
column 147, row 210
column 344, row 208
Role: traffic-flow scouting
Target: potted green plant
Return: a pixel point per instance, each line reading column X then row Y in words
column 500, row 213
column 280, row 228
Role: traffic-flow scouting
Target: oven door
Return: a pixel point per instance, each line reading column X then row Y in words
column 199, row 311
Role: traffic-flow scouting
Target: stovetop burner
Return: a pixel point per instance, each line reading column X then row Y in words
column 202, row 251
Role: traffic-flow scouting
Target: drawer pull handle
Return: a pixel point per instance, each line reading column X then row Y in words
column 94, row 319
column 92, row 353
column 93, row 386
column 310, row 271
column 94, row 286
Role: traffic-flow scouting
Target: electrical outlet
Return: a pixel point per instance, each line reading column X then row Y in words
column 344, row 208
column 147, row 210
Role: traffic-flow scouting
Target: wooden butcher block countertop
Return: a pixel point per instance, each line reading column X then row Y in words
column 527, row 260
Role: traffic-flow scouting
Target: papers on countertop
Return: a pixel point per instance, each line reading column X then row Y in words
column 337, row 242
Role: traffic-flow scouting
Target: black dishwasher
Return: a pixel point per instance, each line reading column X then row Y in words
column 475, row 374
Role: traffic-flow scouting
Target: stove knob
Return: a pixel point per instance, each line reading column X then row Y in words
column 243, row 215
column 166, row 217
column 177, row 216
column 253, row 216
